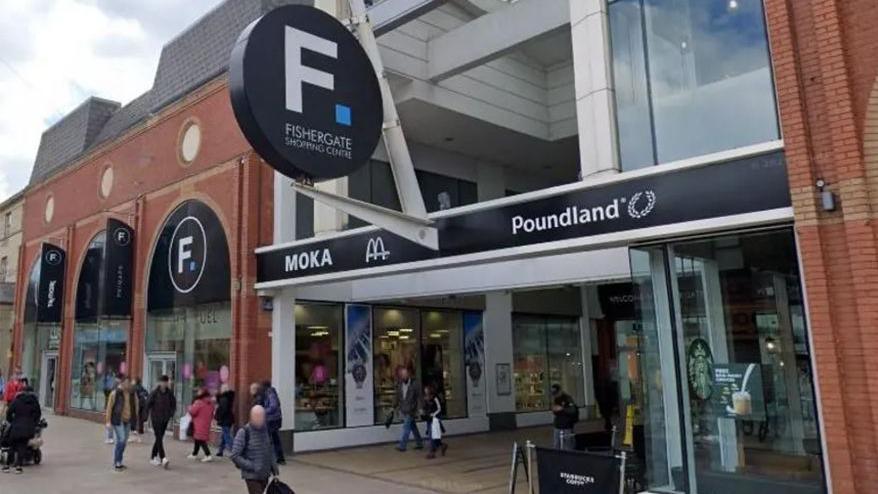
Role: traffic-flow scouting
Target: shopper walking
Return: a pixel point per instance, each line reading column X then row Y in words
column 253, row 452
column 566, row 415
column 432, row 412
column 225, row 417
column 257, row 397
column 201, row 411
column 274, row 419
column 14, row 386
column 142, row 394
column 407, row 400
column 23, row 415
column 161, row 406
column 122, row 412
column 109, row 382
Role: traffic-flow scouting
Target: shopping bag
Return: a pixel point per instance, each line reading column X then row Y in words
column 275, row 486
column 185, row 425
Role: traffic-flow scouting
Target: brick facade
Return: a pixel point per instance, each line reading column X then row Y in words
column 150, row 180
column 825, row 62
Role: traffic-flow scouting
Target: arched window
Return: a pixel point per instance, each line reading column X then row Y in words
column 189, row 316
column 41, row 329
column 99, row 341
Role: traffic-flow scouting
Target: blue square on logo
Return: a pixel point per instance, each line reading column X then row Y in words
column 193, row 265
column 343, row 115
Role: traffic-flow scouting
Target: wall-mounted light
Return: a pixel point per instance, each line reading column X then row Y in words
column 827, row 198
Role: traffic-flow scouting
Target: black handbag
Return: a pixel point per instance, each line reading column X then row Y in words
column 275, row 486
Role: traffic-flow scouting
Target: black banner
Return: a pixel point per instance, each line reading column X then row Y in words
column 118, row 276
column 574, row 472
column 190, row 264
column 50, row 291
column 618, row 300
column 735, row 187
column 88, row 286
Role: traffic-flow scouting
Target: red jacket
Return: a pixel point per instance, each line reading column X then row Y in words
column 13, row 388
column 202, row 416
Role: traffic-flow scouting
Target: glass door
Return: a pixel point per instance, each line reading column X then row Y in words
column 49, row 371
column 164, row 364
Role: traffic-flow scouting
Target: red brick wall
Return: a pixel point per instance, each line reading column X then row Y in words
column 825, row 62
column 149, row 182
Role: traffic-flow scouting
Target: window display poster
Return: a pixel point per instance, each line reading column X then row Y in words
column 474, row 359
column 738, row 391
column 359, row 403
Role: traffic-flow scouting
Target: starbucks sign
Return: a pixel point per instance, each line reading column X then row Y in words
column 305, row 93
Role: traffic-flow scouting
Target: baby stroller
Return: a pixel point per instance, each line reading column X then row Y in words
column 34, row 453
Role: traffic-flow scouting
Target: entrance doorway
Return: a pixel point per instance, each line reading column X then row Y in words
column 158, row 365
column 48, row 372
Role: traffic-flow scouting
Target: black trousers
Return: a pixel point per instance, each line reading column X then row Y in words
column 17, row 452
column 158, row 448
column 274, row 433
column 200, row 445
column 256, row 486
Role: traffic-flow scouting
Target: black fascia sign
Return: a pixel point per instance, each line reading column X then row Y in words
column 305, row 94
column 50, row 289
column 747, row 185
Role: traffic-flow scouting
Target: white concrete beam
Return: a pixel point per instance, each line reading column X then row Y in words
column 493, row 35
column 390, row 14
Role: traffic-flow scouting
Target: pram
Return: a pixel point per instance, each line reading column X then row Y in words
column 34, row 453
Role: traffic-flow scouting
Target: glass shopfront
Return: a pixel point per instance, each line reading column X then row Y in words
column 40, row 345
column 99, row 342
column 319, row 383
column 189, row 315
column 725, row 370
column 547, row 350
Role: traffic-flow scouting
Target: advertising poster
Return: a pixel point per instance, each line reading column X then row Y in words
column 738, row 392
column 359, row 404
column 474, row 355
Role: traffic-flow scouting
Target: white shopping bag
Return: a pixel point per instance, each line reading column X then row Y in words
column 185, row 420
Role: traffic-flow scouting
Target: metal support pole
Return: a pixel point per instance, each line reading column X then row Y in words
column 622, row 474
column 394, row 140
column 530, row 477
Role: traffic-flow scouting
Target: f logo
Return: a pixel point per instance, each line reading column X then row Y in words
column 295, row 40
column 122, row 236
column 187, row 254
column 53, row 257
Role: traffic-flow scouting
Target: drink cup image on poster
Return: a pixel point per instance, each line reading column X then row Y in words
column 738, row 391
column 474, row 360
column 359, row 402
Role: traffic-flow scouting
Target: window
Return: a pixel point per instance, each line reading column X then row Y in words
column 396, row 333
column 319, row 372
column 7, row 224
column 738, row 330
column 3, row 268
column 692, row 77
column 547, row 350
column 442, row 356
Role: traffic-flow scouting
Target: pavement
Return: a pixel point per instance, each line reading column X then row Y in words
column 77, row 461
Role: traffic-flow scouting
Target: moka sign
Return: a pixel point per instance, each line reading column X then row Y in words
column 305, row 93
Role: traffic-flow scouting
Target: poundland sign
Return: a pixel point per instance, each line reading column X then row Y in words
column 713, row 191
column 305, row 93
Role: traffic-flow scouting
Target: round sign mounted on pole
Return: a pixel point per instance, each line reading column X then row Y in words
column 305, row 93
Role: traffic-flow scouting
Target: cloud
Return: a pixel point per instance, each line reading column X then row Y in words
column 55, row 53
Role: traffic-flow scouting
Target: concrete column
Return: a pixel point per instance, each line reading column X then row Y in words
column 490, row 181
column 590, row 310
column 284, row 209
column 283, row 351
column 328, row 219
column 595, row 105
column 498, row 350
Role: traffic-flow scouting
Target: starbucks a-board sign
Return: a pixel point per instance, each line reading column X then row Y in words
column 305, row 93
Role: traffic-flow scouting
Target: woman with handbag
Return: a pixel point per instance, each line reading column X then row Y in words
column 432, row 411
column 201, row 411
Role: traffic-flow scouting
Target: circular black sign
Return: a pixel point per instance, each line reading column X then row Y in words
column 187, row 254
column 122, row 236
column 305, row 93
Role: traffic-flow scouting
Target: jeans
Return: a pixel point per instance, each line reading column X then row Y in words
column 274, row 433
column 409, row 427
column 158, row 449
column 226, row 439
column 121, row 432
column 563, row 438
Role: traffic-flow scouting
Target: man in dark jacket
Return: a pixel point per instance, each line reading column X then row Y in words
column 407, row 401
column 253, row 452
column 161, row 405
column 274, row 419
column 566, row 415
column 121, row 414
column 225, row 416
column 23, row 415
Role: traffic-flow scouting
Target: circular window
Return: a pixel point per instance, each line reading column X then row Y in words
column 107, row 182
column 50, row 209
column 190, row 143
